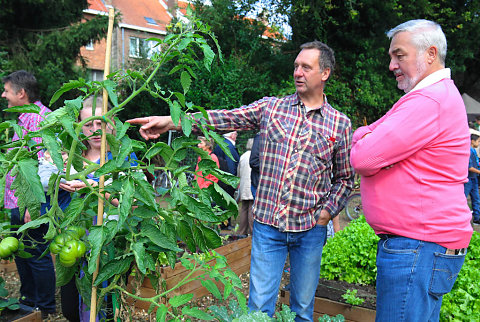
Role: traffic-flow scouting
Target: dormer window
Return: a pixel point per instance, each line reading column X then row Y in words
column 151, row 21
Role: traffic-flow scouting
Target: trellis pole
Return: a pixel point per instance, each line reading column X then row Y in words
column 103, row 150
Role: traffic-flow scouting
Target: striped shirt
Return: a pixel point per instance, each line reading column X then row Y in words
column 29, row 122
column 304, row 159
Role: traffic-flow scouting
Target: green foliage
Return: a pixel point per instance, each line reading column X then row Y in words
column 463, row 302
column 351, row 297
column 239, row 313
column 356, row 31
column 326, row 318
column 11, row 303
column 252, row 67
column 350, row 255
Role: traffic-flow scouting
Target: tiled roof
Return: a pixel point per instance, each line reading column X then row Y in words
column 97, row 5
column 134, row 13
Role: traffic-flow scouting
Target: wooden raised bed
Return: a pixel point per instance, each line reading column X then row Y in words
column 7, row 266
column 328, row 300
column 23, row 314
column 237, row 254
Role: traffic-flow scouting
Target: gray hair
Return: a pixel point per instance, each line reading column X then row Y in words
column 326, row 58
column 425, row 33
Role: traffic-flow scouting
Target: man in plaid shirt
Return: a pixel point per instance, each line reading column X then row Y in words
column 305, row 178
column 37, row 276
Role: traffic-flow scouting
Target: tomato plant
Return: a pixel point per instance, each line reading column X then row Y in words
column 145, row 235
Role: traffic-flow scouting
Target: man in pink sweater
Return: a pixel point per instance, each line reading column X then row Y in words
column 414, row 162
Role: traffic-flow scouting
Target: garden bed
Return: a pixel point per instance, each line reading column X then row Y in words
column 237, row 254
column 329, row 300
column 23, row 314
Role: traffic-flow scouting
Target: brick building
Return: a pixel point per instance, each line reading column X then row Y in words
column 140, row 20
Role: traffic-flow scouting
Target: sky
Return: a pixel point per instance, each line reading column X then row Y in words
column 263, row 5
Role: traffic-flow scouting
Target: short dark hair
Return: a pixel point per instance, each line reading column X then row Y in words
column 474, row 137
column 22, row 79
column 326, row 58
column 477, row 117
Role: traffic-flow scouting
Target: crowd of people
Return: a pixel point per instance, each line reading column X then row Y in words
column 299, row 173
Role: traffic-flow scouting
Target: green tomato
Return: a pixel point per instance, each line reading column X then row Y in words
column 77, row 230
column 60, row 240
column 8, row 246
column 68, row 253
column 81, row 249
column 55, row 248
column 4, row 252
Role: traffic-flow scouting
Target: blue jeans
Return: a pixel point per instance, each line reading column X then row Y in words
column 37, row 276
column 412, row 277
column 269, row 252
column 471, row 188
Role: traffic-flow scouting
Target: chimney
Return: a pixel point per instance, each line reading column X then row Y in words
column 172, row 5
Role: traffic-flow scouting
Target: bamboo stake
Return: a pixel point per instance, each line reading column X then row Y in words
column 103, row 149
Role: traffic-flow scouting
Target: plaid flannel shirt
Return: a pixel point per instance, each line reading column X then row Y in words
column 304, row 159
column 29, row 122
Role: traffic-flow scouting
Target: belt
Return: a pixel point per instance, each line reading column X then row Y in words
column 387, row 236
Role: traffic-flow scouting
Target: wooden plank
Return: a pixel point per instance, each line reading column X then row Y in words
column 325, row 306
column 35, row 316
column 226, row 250
column 7, row 266
column 238, row 258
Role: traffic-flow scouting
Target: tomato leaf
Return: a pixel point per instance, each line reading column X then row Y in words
column 179, row 300
column 212, row 288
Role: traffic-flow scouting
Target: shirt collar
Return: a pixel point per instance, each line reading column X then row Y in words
column 433, row 78
column 318, row 108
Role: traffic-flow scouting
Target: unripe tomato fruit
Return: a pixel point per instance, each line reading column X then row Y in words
column 68, row 253
column 77, row 230
column 8, row 245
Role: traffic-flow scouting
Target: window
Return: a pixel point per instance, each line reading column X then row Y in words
column 134, row 49
column 151, row 49
column 151, row 21
column 96, row 75
column 89, row 46
column 142, row 48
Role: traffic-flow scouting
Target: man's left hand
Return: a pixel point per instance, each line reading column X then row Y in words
column 325, row 217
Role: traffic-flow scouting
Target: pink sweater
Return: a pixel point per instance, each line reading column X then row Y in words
column 425, row 139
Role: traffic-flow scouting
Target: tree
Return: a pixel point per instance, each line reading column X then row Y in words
column 45, row 37
column 356, row 31
column 252, row 66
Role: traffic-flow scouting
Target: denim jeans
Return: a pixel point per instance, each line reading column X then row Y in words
column 412, row 277
column 37, row 276
column 269, row 252
column 471, row 188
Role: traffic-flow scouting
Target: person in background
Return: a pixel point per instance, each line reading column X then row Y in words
column 414, row 162
column 205, row 181
column 255, row 165
column 230, row 139
column 471, row 187
column 245, row 211
column 305, row 178
column 37, row 275
column 73, row 307
column 476, row 125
